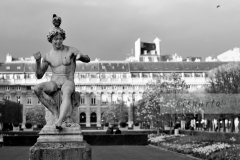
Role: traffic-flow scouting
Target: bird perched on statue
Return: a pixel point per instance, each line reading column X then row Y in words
column 56, row 21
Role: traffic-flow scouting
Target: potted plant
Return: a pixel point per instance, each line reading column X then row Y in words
column 15, row 127
column 123, row 125
column 136, row 125
column 28, row 126
column 106, row 125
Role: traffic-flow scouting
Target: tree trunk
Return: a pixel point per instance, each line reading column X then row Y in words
column 218, row 124
column 238, row 124
column 224, row 126
column 232, row 124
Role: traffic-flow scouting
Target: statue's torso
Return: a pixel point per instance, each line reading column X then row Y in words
column 63, row 65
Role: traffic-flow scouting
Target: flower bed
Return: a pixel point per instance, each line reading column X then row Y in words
column 198, row 146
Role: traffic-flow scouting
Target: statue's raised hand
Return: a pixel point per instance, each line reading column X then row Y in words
column 37, row 56
column 84, row 58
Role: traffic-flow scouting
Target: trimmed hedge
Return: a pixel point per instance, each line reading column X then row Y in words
column 19, row 140
column 104, row 140
column 131, row 139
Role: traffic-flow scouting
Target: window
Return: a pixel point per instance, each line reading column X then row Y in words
column 29, row 100
column 93, row 76
column 93, row 117
column 39, row 102
column 124, row 75
column 18, row 99
column 7, row 97
column 206, row 74
column 27, row 76
column 29, row 88
column 18, row 67
column 8, row 67
column 18, row 76
column 7, row 76
column 83, row 76
column 18, row 88
column 93, row 100
column 104, row 87
column 82, row 100
column 93, row 87
column 82, row 117
column 83, row 87
column 114, row 76
column 7, row 88
column 103, row 67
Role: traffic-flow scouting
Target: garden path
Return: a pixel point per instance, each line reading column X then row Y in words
column 103, row 153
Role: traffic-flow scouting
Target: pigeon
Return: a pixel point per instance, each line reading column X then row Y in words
column 56, row 21
column 218, row 6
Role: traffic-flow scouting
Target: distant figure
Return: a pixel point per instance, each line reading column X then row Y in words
column 218, row 6
column 118, row 131
column 110, row 130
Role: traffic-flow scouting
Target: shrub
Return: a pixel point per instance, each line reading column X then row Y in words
column 106, row 124
column 39, row 126
column 136, row 124
column 123, row 124
column 28, row 125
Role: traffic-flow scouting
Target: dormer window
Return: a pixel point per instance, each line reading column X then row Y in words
column 8, row 67
column 112, row 67
column 103, row 67
column 93, row 67
column 18, row 67
column 83, row 67
column 123, row 67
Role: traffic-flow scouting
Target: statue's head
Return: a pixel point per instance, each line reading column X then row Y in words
column 56, row 31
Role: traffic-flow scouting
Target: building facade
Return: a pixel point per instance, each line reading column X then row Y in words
column 101, row 84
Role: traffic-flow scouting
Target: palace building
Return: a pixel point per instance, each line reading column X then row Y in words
column 103, row 83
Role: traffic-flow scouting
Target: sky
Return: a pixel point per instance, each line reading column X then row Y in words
column 108, row 29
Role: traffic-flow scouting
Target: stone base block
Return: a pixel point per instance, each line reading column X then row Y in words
column 60, row 151
column 69, row 134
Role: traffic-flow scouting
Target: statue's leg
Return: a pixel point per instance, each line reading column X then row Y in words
column 43, row 90
column 66, row 106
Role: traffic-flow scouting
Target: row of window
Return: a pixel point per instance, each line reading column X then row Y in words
column 104, row 75
column 18, row 88
column 18, row 99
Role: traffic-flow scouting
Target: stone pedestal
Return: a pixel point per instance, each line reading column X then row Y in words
column 60, row 151
column 66, row 144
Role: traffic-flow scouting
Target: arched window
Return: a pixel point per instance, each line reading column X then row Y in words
column 93, row 117
column 82, row 117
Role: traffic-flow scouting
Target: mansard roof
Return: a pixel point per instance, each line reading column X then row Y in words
column 113, row 66
column 173, row 66
column 87, row 67
column 12, row 67
column 121, row 66
column 30, row 67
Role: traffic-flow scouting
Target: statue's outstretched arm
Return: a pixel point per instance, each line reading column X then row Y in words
column 79, row 56
column 41, row 68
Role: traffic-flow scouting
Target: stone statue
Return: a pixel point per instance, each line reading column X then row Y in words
column 62, row 60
